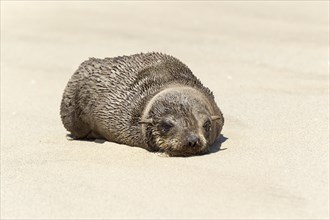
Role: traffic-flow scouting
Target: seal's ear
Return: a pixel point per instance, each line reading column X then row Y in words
column 215, row 117
column 146, row 121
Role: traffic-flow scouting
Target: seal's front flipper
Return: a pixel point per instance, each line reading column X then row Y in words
column 71, row 137
column 92, row 136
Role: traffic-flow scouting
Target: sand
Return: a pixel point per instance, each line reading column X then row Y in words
column 266, row 62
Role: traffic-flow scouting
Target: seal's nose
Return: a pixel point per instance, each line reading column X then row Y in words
column 192, row 140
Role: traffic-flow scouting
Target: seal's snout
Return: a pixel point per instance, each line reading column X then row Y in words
column 192, row 140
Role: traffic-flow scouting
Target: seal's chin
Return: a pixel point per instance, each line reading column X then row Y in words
column 187, row 151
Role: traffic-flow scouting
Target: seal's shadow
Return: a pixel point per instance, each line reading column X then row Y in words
column 216, row 146
column 70, row 137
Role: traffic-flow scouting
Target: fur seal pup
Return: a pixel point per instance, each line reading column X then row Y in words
column 148, row 100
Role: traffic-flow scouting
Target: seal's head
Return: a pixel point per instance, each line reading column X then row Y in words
column 180, row 122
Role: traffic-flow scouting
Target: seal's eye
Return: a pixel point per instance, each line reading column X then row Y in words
column 166, row 126
column 207, row 126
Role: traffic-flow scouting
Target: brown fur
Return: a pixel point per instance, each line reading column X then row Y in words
column 147, row 100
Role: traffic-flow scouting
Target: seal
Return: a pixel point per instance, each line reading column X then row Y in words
column 147, row 100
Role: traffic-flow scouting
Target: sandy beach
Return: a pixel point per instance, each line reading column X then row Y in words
column 267, row 64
